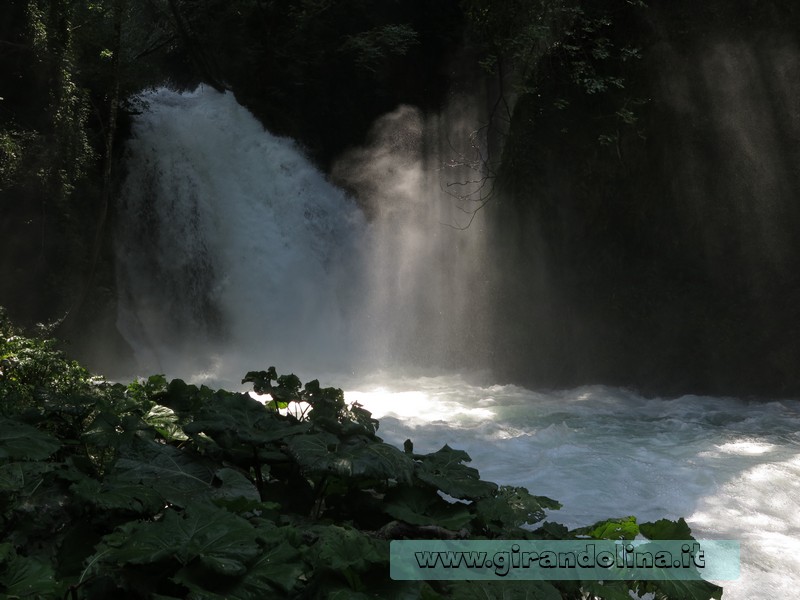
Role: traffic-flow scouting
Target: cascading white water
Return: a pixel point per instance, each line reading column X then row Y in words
column 230, row 244
column 730, row 467
column 234, row 254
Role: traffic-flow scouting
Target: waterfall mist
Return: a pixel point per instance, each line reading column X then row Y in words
column 235, row 253
column 734, row 151
column 727, row 153
column 426, row 282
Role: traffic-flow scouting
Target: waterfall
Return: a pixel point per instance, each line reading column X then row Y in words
column 234, row 252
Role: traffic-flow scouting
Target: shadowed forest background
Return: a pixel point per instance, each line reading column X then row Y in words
column 642, row 156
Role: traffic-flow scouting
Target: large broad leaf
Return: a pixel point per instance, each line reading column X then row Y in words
column 109, row 430
column 142, row 391
column 261, row 380
column 612, row 529
column 23, row 442
column 423, row 506
column 23, row 477
column 231, row 484
column 277, row 569
column 340, row 549
column 181, row 397
column 234, row 419
column 166, row 422
column 314, row 452
column 6, row 552
column 327, row 403
column 115, row 495
column 218, row 540
column 552, row 531
column 373, row 460
column 444, row 469
column 511, row 507
column 361, row 420
column 665, row 529
column 278, row 566
column 177, row 475
column 25, row 577
column 322, row 452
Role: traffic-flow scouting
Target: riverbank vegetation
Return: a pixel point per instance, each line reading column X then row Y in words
column 169, row 490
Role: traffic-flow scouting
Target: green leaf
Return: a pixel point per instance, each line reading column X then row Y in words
column 665, row 529
column 288, row 389
column 234, row 419
column 231, row 484
column 612, row 529
column 109, row 429
column 341, row 549
column 360, row 416
column 27, row 577
column 179, row 396
column 512, row 507
column 6, row 552
column 322, row 452
column 78, row 542
column 314, row 452
column 179, row 476
column 327, row 405
column 423, row 506
column 374, row 460
column 249, row 508
column 223, row 566
column 444, row 470
column 553, row 531
column 115, row 495
column 165, row 422
column 23, row 476
column 21, row 441
column 279, row 565
column 261, row 380
column 221, row 541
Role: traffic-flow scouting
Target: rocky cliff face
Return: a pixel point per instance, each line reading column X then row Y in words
column 659, row 215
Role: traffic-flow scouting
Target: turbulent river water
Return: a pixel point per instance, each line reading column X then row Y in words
column 235, row 253
column 730, row 467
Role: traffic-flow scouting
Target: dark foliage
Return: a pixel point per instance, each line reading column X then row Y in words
column 163, row 489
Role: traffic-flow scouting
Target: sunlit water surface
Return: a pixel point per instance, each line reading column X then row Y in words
column 730, row 467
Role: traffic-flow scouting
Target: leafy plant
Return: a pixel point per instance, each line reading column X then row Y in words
column 166, row 490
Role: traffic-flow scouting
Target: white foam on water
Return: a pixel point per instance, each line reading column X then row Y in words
column 730, row 467
column 229, row 244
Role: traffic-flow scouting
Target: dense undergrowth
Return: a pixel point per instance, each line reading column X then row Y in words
column 162, row 489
